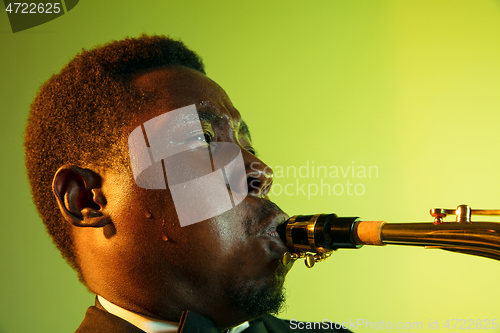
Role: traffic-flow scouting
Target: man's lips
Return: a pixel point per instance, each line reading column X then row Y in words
column 272, row 222
column 272, row 233
column 268, row 216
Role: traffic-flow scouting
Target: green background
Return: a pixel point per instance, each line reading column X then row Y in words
column 410, row 87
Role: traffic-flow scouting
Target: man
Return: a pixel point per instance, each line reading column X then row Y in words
column 89, row 129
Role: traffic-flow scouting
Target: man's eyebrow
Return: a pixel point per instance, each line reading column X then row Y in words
column 245, row 130
column 208, row 112
column 208, row 116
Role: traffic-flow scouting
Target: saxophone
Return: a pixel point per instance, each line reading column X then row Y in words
column 315, row 237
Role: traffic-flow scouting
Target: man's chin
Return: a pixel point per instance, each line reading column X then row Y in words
column 257, row 300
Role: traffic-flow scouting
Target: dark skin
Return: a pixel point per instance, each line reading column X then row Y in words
column 151, row 265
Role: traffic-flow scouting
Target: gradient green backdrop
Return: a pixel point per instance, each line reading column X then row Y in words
column 410, row 87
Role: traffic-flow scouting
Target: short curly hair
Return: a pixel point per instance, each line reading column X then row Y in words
column 77, row 117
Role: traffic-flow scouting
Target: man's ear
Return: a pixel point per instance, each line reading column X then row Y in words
column 80, row 198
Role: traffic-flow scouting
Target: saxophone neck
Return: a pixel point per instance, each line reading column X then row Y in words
column 314, row 237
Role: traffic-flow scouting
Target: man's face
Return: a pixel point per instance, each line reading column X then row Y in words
column 227, row 267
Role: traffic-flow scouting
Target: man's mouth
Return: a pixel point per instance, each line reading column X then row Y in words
column 272, row 222
column 273, row 233
column 269, row 217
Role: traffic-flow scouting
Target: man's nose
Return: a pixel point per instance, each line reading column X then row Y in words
column 259, row 176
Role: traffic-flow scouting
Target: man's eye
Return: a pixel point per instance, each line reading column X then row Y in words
column 208, row 137
column 251, row 150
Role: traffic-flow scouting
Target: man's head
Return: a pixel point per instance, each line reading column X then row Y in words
column 126, row 241
column 78, row 117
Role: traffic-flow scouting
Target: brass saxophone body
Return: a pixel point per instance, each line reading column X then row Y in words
column 315, row 237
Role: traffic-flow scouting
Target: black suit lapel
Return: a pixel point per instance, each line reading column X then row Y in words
column 193, row 323
column 97, row 321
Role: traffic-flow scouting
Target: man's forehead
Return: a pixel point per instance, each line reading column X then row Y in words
column 173, row 87
column 173, row 80
column 206, row 112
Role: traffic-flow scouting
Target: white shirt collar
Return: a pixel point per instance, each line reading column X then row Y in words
column 148, row 324
column 239, row 328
